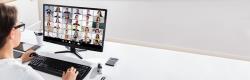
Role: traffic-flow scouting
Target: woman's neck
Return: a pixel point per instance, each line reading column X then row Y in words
column 6, row 52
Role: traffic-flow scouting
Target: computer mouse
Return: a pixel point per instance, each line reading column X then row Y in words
column 33, row 54
column 103, row 78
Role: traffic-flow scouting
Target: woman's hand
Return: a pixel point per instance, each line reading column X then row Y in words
column 27, row 56
column 70, row 74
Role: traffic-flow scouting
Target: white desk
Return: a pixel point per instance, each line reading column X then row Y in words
column 143, row 63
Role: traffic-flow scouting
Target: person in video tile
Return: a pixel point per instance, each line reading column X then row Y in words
column 99, row 13
column 98, row 22
column 97, row 40
column 76, row 23
column 49, row 12
column 75, row 36
column 57, row 20
column 87, row 23
column 98, row 19
column 57, row 15
column 49, row 28
column 66, row 37
column 87, row 20
column 77, row 11
column 66, row 10
column 97, row 31
column 58, row 9
column 67, row 16
column 87, row 17
column 86, row 38
column 88, row 13
column 49, row 18
column 76, row 17
column 57, row 31
column 97, row 25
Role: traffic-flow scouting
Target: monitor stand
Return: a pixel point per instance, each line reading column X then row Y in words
column 72, row 50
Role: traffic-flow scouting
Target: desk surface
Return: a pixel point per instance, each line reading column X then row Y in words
column 143, row 63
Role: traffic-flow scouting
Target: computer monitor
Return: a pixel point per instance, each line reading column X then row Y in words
column 76, row 27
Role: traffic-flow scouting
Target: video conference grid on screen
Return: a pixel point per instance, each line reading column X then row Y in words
column 81, row 26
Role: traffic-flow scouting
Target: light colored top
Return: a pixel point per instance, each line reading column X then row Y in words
column 13, row 69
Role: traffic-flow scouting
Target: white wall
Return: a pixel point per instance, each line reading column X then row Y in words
column 28, row 12
column 219, row 28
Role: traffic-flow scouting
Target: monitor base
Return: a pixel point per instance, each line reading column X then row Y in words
column 73, row 50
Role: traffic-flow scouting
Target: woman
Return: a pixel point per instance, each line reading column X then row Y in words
column 75, row 36
column 66, row 37
column 57, row 20
column 58, row 9
column 97, row 40
column 87, row 20
column 77, row 11
column 97, row 23
column 86, row 39
column 57, row 31
column 49, row 28
column 76, row 23
column 98, row 19
column 97, row 31
column 99, row 13
column 76, row 17
column 88, row 12
column 13, row 69
column 66, row 11
column 48, row 11
column 67, row 17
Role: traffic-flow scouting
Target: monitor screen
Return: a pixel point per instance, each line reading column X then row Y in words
column 78, row 27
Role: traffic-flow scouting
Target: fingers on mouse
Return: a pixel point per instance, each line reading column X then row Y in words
column 33, row 54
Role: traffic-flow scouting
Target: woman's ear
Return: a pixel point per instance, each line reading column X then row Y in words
column 12, row 34
column 10, row 38
column 14, row 37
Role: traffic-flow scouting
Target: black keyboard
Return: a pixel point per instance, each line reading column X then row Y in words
column 56, row 67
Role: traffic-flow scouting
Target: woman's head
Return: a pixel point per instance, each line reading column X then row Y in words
column 97, row 36
column 58, row 9
column 97, row 25
column 77, row 10
column 99, row 13
column 97, row 31
column 67, row 16
column 98, row 19
column 86, row 29
column 66, row 9
column 48, row 23
column 8, row 19
column 76, row 17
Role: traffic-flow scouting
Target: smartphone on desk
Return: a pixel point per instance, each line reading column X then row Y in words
column 111, row 61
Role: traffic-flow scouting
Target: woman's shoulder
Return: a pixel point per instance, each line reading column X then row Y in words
column 15, row 67
column 17, row 64
column 29, row 72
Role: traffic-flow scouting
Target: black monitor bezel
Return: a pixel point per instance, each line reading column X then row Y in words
column 88, row 46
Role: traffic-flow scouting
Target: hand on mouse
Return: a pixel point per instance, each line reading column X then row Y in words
column 27, row 55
